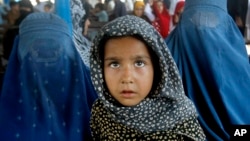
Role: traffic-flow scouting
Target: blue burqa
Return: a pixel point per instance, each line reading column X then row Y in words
column 210, row 53
column 47, row 92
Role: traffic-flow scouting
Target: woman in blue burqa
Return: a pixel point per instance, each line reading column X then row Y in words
column 47, row 92
column 212, row 59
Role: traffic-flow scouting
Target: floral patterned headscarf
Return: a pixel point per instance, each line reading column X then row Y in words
column 165, row 108
column 82, row 43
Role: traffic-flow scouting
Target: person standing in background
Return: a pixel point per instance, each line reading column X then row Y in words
column 39, row 7
column 129, row 5
column 25, row 8
column 237, row 9
column 212, row 59
column 138, row 11
column 14, row 13
column 80, row 20
column 109, row 6
column 101, row 13
column 48, row 7
column 119, row 10
column 149, row 9
column 162, row 18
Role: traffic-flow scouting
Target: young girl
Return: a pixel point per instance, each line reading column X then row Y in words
column 140, row 91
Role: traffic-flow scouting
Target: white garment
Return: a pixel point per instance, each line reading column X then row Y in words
column 111, row 6
column 149, row 12
column 247, row 36
column 129, row 5
column 40, row 7
column 172, row 7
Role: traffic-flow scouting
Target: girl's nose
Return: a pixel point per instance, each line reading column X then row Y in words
column 127, row 75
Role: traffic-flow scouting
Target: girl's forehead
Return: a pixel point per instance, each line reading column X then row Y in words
column 125, row 46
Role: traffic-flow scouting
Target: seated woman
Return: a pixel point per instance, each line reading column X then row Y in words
column 47, row 92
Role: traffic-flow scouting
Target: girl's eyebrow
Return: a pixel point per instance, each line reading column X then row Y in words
column 141, row 57
column 133, row 58
column 111, row 58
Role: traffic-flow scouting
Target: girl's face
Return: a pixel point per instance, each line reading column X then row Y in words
column 128, row 70
column 139, row 11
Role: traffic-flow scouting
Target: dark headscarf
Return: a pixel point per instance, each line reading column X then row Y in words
column 119, row 9
column 47, row 92
column 212, row 58
column 26, row 8
column 165, row 113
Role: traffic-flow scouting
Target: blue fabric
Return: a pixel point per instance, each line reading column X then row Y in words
column 210, row 53
column 62, row 9
column 6, row 2
column 47, row 92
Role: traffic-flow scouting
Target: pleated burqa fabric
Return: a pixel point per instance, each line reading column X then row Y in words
column 211, row 56
column 47, row 92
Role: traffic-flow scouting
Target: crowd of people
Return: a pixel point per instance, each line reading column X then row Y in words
column 155, row 12
column 154, row 70
column 15, row 13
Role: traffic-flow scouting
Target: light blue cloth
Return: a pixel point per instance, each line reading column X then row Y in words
column 62, row 9
column 47, row 92
column 6, row 2
column 102, row 16
column 212, row 59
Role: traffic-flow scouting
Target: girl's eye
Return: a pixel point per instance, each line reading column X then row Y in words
column 114, row 65
column 139, row 64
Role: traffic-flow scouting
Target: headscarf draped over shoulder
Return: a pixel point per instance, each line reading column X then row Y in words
column 165, row 108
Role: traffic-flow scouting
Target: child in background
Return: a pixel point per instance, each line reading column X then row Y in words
column 138, row 11
column 100, row 13
column 48, row 7
column 139, row 87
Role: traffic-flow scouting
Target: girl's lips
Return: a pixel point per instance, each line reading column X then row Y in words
column 127, row 93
